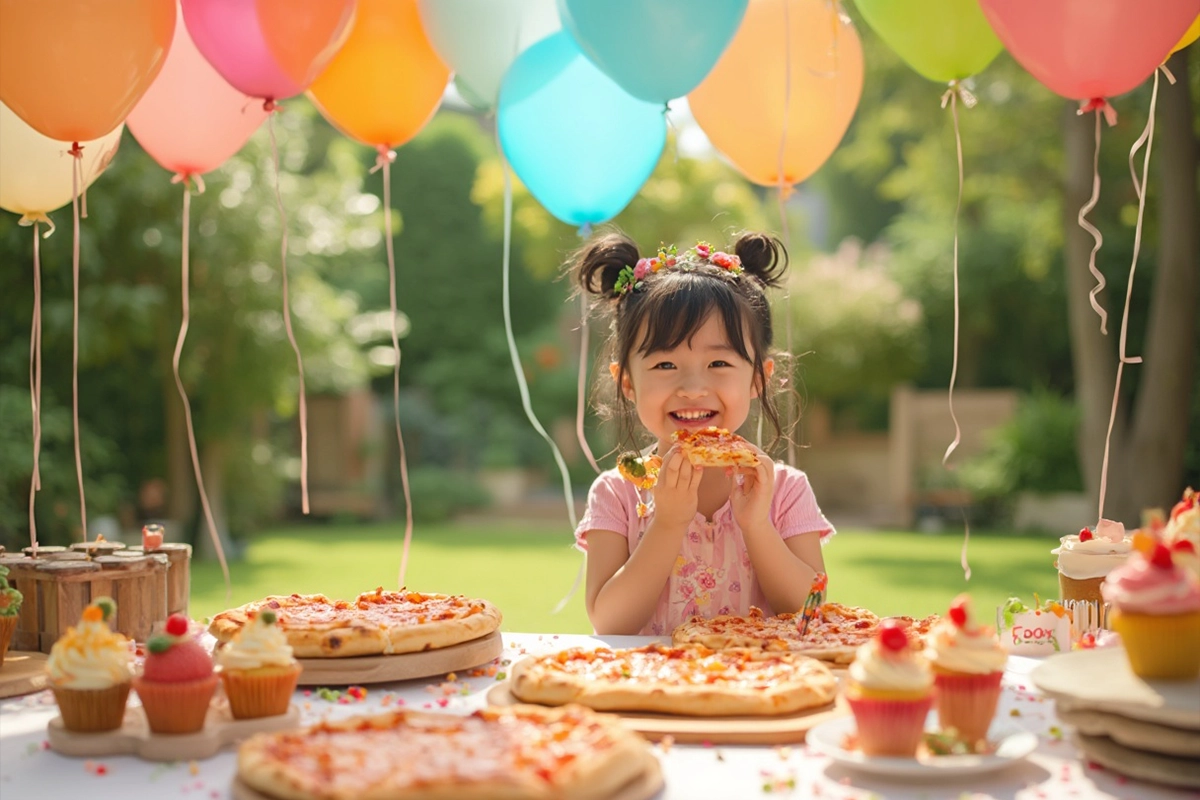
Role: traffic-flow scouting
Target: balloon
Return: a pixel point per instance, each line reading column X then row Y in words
column 479, row 39
column 35, row 170
column 386, row 81
column 656, row 50
column 272, row 49
column 741, row 104
column 943, row 40
column 1089, row 49
column 581, row 145
column 190, row 120
column 1189, row 36
column 73, row 69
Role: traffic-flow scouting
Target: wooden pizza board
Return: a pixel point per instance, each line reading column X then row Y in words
column 1139, row 763
column 645, row 786
column 136, row 738
column 23, row 673
column 783, row 729
column 1101, row 680
column 402, row 667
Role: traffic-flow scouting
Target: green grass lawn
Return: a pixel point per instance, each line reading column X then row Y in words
column 526, row 568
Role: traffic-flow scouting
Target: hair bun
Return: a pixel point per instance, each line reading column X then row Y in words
column 763, row 257
column 600, row 261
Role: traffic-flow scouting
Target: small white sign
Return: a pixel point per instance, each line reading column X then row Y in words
column 1037, row 633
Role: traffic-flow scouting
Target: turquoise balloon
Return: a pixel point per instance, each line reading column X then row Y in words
column 654, row 49
column 580, row 144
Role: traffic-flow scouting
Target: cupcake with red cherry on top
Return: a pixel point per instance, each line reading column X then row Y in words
column 1182, row 532
column 889, row 690
column 968, row 663
column 177, row 681
column 1156, row 609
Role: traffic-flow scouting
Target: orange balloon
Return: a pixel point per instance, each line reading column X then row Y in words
column 386, row 82
column 754, row 99
column 303, row 35
column 74, row 69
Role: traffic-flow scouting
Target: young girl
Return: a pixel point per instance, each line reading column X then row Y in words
column 691, row 339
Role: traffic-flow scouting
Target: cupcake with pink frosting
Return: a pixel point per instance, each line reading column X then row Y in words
column 1156, row 609
column 1182, row 531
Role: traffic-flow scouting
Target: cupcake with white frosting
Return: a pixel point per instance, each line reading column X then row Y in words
column 968, row 664
column 1086, row 558
column 889, row 691
column 258, row 669
column 91, row 670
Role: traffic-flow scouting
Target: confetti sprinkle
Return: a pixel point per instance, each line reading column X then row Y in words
column 452, row 677
column 193, row 768
column 357, row 692
column 1055, row 733
column 501, row 676
column 327, row 694
column 443, row 702
column 1014, row 713
column 784, row 752
column 666, row 742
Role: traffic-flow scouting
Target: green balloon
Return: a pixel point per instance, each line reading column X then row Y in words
column 944, row 40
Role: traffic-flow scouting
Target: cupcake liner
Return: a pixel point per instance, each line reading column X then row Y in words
column 890, row 727
column 92, row 710
column 966, row 702
column 263, row 692
column 1160, row 646
column 176, row 707
column 8, row 626
column 1087, row 589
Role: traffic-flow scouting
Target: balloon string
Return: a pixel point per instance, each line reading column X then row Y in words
column 185, row 321
column 953, row 95
column 581, row 387
column 1095, row 232
column 384, row 162
column 35, row 385
column 1139, row 186
column 76, row 181
column 785, row 189
column 287, row 314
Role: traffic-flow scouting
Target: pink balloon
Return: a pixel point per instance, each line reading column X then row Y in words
column 1090, row 49
column 229, row 35
column 190, row 120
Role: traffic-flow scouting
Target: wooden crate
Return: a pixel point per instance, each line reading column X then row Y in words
column 59, row 584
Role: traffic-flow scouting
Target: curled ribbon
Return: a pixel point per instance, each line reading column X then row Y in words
column 1098, row 105
column 37, row 218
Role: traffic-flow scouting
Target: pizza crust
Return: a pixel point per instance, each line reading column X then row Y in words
column 408, row 755
column 750, row 682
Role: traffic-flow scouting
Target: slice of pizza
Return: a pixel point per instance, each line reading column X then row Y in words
column 715, row 447
column 641, row 471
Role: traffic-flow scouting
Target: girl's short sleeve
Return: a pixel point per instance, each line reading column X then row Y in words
column 794, row 508
column 612, row 506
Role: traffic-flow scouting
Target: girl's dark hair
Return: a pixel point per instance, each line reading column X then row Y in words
column 672, row 304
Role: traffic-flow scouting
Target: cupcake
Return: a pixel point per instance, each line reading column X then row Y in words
column 1182, row 532
column 968, row 663
column 1156, row 609
column 1087, row 557
column 90, row 672
column 258, row 669
column 177, row 680
column 889, row 690
column 10, row 606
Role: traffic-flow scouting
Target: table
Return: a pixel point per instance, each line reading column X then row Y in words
column 30, row 771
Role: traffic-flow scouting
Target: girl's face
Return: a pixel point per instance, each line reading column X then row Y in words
column 701, row 382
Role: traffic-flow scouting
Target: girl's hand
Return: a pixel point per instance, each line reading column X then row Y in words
column 677, row 491
column 751, row 502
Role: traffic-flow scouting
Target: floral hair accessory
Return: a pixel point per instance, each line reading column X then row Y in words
column 631, row 279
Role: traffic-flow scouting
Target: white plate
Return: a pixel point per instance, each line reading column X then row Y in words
column 1012, row 746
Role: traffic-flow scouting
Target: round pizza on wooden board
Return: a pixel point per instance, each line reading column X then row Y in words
column 688, row 680
column 374, row 623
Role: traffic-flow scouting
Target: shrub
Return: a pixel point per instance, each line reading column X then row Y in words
column 438, row 494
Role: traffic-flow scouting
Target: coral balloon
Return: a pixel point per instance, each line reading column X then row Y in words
column 35, row 170
column 386, row 81
column 479, row 39
column 755, row 99
column 190, row 120
column 271, row 49
column 655, row 51
column 73, row 69
column 943, row 40
column 581, row 145
column 1090, row 49
column 1189, row 36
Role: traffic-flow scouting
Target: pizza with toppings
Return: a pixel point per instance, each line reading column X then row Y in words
column 682, row 679
column 833, row 635
column 518, row 752
column 715, row 447
column 374, row 623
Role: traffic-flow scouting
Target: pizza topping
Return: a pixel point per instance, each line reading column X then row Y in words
column 715, row 447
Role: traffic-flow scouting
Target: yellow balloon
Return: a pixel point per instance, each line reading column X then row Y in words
column 386, row 81
column 35, row 170
column 1189, row 36
column 801, row 91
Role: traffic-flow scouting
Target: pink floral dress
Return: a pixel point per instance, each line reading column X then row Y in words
column 712, row 573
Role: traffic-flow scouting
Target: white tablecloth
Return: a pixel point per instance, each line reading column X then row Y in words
column 29, row 770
